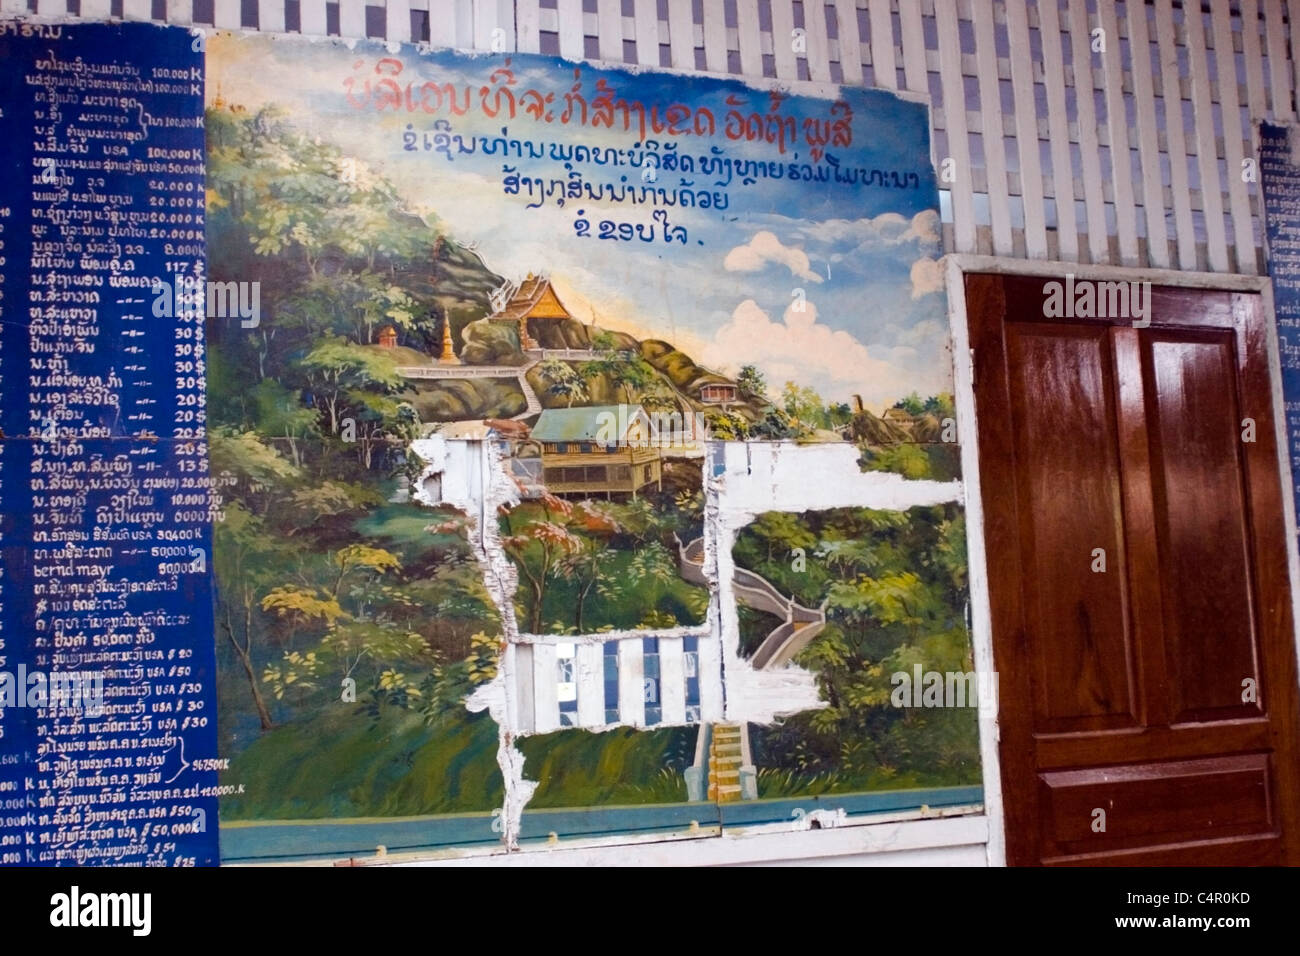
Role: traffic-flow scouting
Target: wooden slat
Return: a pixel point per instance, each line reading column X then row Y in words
column 225, row 14
column 464, row 10
column 137, row 10
column 13, row 6
column 181, row 12
column 546, row 705
column 311, row 18
column 846, row 27
column 442, row 25
column 783, row 42
column 483, row 20
column 748, row 37
column 883, row 64
column 590, row 667
column 954, row 110
column 1031, row 173
column 709, row 663
column 1234, row 136
column 1058, row 133
column 352, row 18
column 631, row 689
column 569, row 16
column 1153, row 199
column 995, row 153
column 52, row 8
column 1216, row 244
column 1279, row 87
column 1175, row 141
column 103, row 9
column 914, row 70
column 672, row 680
column 1089, row 145
column 819, row 56
column 397, row 20
column 528, row 26
column 270, row 16
column 1251, row 51
column 715, row 38
column 646, row 20
column 609, row 30
column 1121, row 159
column 494, row 26
column 681, row 34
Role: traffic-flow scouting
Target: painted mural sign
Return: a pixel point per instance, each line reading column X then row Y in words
column 581, row 450
column 108, row 723
column 1279, row 155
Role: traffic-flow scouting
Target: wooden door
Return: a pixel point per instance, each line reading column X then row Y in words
column 1141, row 608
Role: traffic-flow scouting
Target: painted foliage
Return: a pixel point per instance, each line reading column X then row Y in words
column 510, row 309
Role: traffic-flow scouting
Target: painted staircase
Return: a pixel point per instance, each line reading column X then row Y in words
column 799, row 624
column 725, row 759
column 723, row 749
column 534, row 406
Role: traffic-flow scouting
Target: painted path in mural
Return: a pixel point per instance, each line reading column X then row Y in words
column 799, row 624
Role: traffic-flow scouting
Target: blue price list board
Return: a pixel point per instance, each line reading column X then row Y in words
column 1279, row 155
column 107, row 697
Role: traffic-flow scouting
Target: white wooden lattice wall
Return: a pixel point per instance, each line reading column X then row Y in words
column 1147, row 136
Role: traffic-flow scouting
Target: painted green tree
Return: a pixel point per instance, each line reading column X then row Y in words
column 894, row 588
column 348, row 617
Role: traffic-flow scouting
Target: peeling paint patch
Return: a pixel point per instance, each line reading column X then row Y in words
column 564, row 700
column 468, row 475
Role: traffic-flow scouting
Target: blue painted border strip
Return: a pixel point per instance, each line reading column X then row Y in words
column 269, row 841
column 757, row 812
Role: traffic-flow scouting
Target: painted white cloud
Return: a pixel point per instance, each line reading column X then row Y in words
column 925, row 335
column 918, row 349
column 800, row 349
column 766, row 248
column 887, row 229
column 927, row 277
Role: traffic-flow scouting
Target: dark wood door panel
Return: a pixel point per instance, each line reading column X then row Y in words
column 1234, row 851
column 1112, row 808
column 1072, row 559
column 1175, row 742
column 1123, row 690
column 1023, row 301
column 1206, row 575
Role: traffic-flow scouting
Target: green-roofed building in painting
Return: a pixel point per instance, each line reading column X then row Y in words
column 600, row 450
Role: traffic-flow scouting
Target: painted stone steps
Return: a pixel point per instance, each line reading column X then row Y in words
column 725, row 759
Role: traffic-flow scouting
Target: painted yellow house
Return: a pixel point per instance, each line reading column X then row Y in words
column 602, row 449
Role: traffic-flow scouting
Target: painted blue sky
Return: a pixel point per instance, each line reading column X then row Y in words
column 828, row 285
